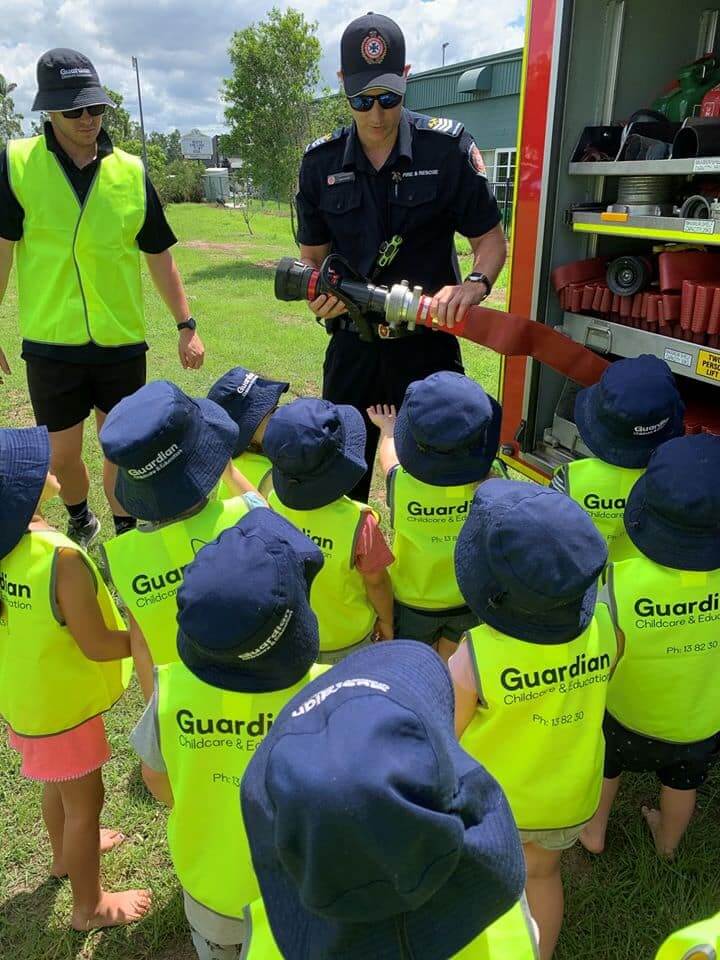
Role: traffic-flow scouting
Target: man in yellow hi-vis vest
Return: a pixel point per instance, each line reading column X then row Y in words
column 372, row 833
column 75, row 212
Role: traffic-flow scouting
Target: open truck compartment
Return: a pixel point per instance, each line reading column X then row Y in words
column 617, row 229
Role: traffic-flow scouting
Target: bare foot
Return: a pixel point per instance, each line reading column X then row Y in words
column 114, row 910
column 593, row 838
column 653, row 819
column 109, row 839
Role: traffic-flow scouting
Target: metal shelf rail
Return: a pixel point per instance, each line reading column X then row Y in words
column 625, row 168
column 687, row 359
column 671, row 229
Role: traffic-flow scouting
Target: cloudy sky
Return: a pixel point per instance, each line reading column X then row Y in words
column 182, row 44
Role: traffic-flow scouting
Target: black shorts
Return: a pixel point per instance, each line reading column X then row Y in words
column 681, row 766
column 429, row 626
column 64, row 394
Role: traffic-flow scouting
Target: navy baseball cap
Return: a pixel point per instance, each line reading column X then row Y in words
column 448, row 430
column 248, row 398
column 673, row 511
column 369, row 825
column 67, row 80
column 244, row 617
column 528, row 560
column 372, row 54
column 317, row 450
column 24, row 465
column 632, row 410
column 170, row 450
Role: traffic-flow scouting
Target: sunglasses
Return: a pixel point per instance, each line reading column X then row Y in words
column 96, row 110
column 364, row 101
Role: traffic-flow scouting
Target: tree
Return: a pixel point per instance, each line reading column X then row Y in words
column 329, row 111
column 169, row 144
column 10, row 121
column 269, row 97
column 117, row 121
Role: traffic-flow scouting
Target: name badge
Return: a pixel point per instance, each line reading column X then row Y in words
column 344, row 176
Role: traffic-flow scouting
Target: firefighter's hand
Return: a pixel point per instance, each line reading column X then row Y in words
column 326, row 307
column 450, row 304
column 4, row 365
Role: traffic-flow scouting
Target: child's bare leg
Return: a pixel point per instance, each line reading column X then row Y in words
column 669, row 823
column 446, row 648
column 545, row 895
column 143, row 660
column 54, row 817
column 593, row 836
column 92, row 907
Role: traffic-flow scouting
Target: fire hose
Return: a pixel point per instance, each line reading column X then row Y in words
column 399, row 310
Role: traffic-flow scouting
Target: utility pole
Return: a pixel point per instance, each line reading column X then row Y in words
column 142, row 122
column 444, row 48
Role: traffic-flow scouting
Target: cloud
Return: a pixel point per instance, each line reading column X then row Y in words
column 182, row 46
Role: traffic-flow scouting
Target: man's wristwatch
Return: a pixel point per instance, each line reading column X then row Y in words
column 188, row 324
column 480, row 278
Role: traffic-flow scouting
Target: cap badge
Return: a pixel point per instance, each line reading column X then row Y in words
column 373, row 48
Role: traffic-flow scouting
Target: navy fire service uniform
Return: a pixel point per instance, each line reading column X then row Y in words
column 432, row 185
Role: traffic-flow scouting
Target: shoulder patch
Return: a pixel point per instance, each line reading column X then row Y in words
column 328, row 138
column 452, row 128
column 475, row 159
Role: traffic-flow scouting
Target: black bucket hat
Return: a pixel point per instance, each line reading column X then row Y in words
column 67, row 80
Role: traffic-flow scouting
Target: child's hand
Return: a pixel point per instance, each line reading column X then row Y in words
column 383, row 631
column 383, row 416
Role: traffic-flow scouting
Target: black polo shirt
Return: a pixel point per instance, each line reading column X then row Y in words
column 155, row 236
column 427, row 190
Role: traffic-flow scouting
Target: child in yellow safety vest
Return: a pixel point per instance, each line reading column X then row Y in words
column 622, row 419
column 373, row 834
column 317, row 450
column 62, row 643
column 250, row 400
column 663, row 711
column 701, row 941
column 434, row 455
column 171, row 452
column 531, row 681
column 247, row 642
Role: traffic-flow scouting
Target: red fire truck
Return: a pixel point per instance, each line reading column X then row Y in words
column 603, row 186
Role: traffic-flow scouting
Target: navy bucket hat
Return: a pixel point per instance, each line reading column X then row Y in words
column 248, row 399
column 369, row 824
column 317, row 450
column 634, row 408
column 67, row 80
column 244, row 617
column 447, row 431
column 528, row 561
column 673, row 511
column 170, row 450
column 24, row 465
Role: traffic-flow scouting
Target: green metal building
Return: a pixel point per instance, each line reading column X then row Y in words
column 485, row 95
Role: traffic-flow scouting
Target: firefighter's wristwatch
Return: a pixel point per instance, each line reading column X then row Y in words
column 480, row 278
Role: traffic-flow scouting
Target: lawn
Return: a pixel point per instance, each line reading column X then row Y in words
column 620, row 906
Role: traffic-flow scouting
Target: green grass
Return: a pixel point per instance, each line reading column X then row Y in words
column 619, row 906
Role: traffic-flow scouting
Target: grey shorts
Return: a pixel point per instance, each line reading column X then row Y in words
column 427, row 626
column 561, row 839
column 214, row 936
column 331, row 657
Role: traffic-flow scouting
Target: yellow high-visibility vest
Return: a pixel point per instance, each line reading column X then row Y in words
column 337, row 596
column 47, row 684
column 427, row 521
column 255, row 467
column 602, row 490
column 663, row 686
column 544, row 703
column 78, row 266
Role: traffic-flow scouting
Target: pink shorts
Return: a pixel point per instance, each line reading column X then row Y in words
column 63, row 756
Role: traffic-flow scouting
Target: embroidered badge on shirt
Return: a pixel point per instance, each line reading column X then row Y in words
column 374, row 48
column 475, row 159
